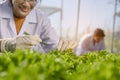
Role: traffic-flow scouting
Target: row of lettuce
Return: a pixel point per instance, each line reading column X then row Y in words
column 56, row 65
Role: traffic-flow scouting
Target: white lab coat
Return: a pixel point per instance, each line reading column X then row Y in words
column 87, row 45
column 35, row 23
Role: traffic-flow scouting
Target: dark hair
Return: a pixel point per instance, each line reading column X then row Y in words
column 99, row 32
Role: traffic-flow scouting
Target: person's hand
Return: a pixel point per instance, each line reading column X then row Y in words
column 65, row 44
column 20, row 42
column 27, row 41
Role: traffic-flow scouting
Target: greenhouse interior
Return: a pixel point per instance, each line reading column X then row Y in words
column 71, row 19
column 76, row 19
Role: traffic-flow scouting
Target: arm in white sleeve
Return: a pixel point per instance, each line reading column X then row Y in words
column 102, row 47
column 83, row 48
column 49, row 36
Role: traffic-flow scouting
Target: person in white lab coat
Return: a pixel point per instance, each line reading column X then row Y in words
column 92, row 42
column 22, row 16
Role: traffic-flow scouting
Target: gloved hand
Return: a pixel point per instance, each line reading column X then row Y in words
column 65, row 44
column 20, row 42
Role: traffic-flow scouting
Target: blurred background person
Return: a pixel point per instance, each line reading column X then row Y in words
column 91, row 42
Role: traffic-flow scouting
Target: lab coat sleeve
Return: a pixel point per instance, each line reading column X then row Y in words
column 83, row 47
column 49, row 36
column 102, row 47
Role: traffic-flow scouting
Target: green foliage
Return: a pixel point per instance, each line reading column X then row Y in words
column 56, row 65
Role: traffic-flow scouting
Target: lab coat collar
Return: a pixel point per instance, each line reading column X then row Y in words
column 7, row 10
column 32, row 17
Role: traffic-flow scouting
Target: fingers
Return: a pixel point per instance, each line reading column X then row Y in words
column 60, row 44
column 70, row 44
column 74, row 45
column 37, row 38
column 65, row 44
column 27, row 41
